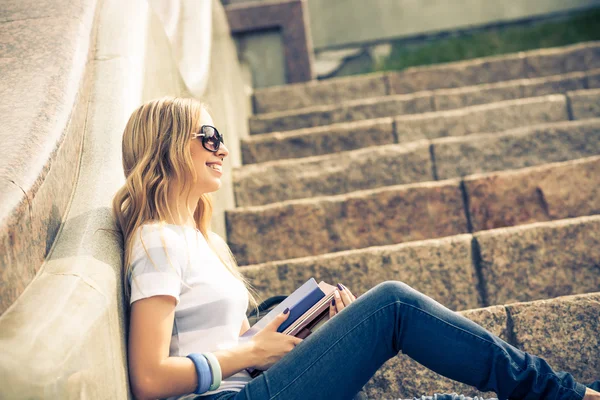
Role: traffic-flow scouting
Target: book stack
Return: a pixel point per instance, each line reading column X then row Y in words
column 309, row 310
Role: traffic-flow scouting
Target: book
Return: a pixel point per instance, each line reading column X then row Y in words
column 309, row 310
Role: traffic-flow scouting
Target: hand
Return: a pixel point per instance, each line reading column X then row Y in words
column 342, row 299
column 269, row 346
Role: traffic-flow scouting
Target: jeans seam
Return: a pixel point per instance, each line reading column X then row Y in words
column 376, row 311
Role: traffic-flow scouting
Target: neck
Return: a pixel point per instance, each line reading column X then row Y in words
column 183, row 213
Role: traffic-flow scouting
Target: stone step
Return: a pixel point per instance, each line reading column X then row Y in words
column 529, row 64
column 564, row 331
column 351, row 136
column 420, row 161
column 498, row 266
column 348, row 136
column 395, row 214
column 439, row 100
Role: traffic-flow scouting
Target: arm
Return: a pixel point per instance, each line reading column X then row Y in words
column 153, row 374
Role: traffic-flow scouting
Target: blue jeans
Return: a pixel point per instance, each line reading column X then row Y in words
column 337, row 360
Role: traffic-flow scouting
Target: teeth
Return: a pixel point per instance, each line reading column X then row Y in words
column 216, row 167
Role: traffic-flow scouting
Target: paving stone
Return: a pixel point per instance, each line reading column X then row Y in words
column 561, row 60
column 554, row 84
column 457, row 74
column 316, row 141
column 332, row 174
column 405, row 378
column 449, row 99
column 585, row 103
column 486, row 118
column 543, row 193
column 593, row 79
column 377, row 107
column 299, row 228
column 331, row 91
column 517, row 148
column 440, row 268
column 542, row 260
column 565, row 332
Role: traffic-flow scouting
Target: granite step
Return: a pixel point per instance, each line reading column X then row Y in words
column 523, row 65
column 403, row 213
column 439, row 100
column 498, row 266
column 419, row 161
column 345, row 136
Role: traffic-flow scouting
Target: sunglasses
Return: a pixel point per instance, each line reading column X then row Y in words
column 211, row 138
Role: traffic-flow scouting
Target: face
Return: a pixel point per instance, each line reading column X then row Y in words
column 208, row 165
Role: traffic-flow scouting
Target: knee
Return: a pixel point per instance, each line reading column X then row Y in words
column 397, row 290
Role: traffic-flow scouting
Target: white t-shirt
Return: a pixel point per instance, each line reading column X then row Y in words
column 210, row 309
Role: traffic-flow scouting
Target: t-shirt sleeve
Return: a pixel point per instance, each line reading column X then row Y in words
column 155, row 265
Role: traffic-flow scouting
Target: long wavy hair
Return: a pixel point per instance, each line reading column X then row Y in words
column 156, row 156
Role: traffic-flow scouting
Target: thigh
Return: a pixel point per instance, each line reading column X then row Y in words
column 337, row 360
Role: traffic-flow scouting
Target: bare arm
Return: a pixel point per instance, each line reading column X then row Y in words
column 153, row 374
column 245, row 326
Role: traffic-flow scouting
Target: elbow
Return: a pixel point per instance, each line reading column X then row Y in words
column 143, row 388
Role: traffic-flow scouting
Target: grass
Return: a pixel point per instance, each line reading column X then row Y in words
column 580, row 27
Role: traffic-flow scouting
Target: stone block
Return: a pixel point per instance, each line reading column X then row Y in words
column 585, row 103
column 331, row 91
column 544, row 193
column 457, row 74
column 564, row 331
column 379, row 107
column 440, row 268
column 486, row 118
column 449, row 99
column 315, row 226
column 562, row 60
column 554, row 84
column 518, row 148
column 406, row 378
column 593, row 79
column 317, row 141
column 540, row 261
column 332, row 174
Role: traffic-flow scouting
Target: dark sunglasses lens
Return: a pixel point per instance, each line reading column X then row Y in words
column 211, row 138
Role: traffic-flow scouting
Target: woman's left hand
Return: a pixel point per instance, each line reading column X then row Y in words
column 342, row 298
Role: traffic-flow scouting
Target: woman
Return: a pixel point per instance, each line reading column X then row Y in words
column 188, row 300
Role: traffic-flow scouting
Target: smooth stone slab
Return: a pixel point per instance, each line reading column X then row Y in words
column 300, row 228
column 561, row 60
column 331, row 91
column 332, row 174
column 564, row 331
column 486, row 118
column 317, row 141
column 536, row 194
column 541, row 260
column 554, row 84
column 457, row 74
column 440, row 268
column 518, row 148
column 585, row 103
column 405, row 378
column 450, row 99
column 377, row 107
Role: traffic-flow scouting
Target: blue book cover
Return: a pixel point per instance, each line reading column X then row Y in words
column 300, row 301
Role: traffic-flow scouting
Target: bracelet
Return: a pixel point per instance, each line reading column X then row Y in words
column 203, row 372
column 215, row 369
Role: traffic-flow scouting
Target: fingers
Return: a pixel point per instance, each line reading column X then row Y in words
column 339, row 303
column 331, row 309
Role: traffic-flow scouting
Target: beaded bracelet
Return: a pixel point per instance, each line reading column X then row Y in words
column 215, row 370
column 203, row 371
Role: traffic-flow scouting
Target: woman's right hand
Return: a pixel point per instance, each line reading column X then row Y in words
column 270, row 346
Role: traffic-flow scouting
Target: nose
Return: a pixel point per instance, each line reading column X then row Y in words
column 223, row 151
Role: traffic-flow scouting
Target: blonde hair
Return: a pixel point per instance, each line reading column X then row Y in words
column 156, row 155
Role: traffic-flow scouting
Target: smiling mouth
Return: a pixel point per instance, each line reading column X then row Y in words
column 216, row 167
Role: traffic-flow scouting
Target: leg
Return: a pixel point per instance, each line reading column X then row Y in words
column 337, row 360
